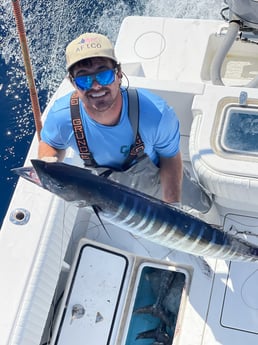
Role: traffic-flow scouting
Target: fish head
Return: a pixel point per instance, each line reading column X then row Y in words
column 61, row 179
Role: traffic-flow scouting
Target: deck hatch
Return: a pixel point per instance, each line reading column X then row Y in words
column 148, row 322
column 93, row 297
column 239, row 131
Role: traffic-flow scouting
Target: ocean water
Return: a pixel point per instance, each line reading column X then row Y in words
column 50, row 25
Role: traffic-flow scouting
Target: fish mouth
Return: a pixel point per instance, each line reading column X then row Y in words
column 29, row 174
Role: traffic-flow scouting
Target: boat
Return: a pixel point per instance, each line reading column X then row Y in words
column 68, row 277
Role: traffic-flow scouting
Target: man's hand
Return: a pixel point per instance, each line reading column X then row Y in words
column 48, row 153
column 49, row 159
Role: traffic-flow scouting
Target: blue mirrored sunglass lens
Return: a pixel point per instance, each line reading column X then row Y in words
column 105, row 77
column 85, row 82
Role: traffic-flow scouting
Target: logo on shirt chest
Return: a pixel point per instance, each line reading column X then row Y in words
column 125, row 149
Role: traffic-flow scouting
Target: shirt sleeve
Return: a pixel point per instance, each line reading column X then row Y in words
column 168, row 134
column 57, row 129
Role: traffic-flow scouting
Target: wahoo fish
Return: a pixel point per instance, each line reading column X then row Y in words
column 138, row 213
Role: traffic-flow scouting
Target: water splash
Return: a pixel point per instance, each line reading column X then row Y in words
column 50, row 25
column 185, row 8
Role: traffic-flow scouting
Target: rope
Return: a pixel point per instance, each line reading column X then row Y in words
column 28, row 69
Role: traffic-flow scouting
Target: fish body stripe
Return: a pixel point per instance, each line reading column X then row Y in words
column 144, row 221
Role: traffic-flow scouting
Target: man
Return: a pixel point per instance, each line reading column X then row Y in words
column 102, row 112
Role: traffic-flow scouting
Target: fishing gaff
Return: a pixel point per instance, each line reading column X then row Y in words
column 27, row 63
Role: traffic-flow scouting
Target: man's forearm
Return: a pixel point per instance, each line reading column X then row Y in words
column 171, row 176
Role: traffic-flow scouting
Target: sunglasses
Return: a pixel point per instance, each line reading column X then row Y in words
column 85, row 82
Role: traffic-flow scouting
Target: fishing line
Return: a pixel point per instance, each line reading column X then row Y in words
column 243, row 294
column 57, row 299
column 54, row 306
column 234, row 230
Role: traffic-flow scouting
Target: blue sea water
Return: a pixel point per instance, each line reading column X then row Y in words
column 50, row 25
column 14, row 140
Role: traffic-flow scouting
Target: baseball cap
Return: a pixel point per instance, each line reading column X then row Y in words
column 89, row 45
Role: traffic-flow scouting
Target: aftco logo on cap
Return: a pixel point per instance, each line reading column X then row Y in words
column 89, row 43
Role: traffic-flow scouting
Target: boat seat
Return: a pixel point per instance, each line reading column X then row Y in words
column 222, row 145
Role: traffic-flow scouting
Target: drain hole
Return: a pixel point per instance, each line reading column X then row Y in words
column 20, row 216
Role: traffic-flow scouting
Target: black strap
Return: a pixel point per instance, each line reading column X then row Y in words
column 137, row 149
column 79, row 133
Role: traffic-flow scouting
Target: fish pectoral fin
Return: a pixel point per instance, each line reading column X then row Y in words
column 96, row 210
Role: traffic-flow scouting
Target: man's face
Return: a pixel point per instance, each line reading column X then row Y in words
column 98, row 98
